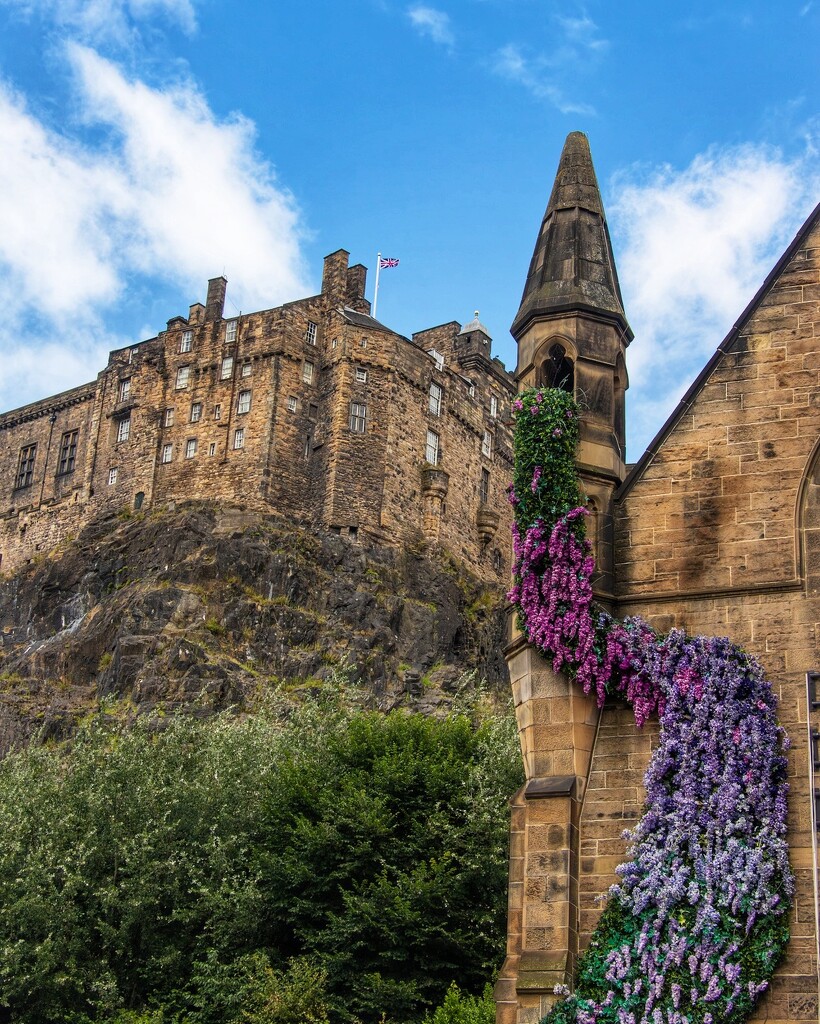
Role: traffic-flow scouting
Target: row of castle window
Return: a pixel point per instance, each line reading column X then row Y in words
column 186, row 341
column 243, row 405
column 436, row 396
column 432, row 449
column 184, row 374
column 191, row 446
column 65, row 462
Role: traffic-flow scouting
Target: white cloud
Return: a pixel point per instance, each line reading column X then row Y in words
column 432, row 23
column 549, row 75
column 582, row 32
column 532, row 73
column 174, row 194
column 107, row 20
column 692, row 248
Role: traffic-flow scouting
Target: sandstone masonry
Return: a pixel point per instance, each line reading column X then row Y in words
column 312, row 409
column 715, row 530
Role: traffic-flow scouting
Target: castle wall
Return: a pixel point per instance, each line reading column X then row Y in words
column 312, row 409
column 43, row 497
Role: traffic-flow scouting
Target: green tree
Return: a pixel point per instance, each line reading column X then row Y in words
column 214, row 870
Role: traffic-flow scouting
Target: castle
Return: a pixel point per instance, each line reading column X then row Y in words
column 313, row 410
column 715, row 530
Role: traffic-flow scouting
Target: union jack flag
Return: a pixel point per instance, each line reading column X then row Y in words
column 385, row 262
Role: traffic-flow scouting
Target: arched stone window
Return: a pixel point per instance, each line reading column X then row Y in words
column 809, row 518
column 557, row 370
column 620, row 385
column 593, row 525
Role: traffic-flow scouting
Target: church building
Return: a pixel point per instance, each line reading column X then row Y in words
column 716, row 530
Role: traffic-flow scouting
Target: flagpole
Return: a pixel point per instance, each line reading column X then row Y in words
column 376, row 290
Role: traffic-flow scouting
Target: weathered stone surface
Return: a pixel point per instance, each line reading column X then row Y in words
column 312, row 410
column 180, row 608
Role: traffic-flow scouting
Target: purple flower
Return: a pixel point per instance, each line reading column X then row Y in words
column 709, row 859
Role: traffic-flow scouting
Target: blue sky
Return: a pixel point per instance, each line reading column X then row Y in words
column 150, row 144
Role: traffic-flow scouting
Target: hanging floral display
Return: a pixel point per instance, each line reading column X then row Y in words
column 698, row 919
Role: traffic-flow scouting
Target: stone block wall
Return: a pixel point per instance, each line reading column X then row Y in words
column 715, row 531
column 257, row 408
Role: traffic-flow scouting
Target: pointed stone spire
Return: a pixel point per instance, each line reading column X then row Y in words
column 572, row 266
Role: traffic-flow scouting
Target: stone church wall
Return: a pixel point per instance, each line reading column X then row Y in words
column 717, row 534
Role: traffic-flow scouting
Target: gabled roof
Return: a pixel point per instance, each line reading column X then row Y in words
column 727, row 345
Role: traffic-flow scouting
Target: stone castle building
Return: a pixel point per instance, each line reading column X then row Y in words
column 313, row 410
column 716, row 530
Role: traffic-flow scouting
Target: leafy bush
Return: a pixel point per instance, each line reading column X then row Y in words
column 309, row 863
column 464, row 1009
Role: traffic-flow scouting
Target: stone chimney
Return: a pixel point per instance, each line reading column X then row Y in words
column 335, row 277
column 215, row 303
column 356, row 282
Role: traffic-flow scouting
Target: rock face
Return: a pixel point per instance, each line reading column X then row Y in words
column 204, row 606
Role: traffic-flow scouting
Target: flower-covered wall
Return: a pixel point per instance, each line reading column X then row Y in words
column 716, row 536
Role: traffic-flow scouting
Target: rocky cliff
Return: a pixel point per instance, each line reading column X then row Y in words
column 205, row 606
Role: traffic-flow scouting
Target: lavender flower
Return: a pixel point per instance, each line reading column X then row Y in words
column 708, row 873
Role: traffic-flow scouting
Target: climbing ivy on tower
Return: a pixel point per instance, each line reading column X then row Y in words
column 697, row 921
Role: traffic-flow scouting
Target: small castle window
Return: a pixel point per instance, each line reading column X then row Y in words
column 25, row 465
column 139, row 498
column 244, row 403
column 363, row 343
column 361, row 375
column 68, row 453
column 167, row 452
column 493, row 406
column 186, row 341
column 212, row 448
column 124, row 429
column 183, row 375
column 196, row 412
column 471, row 389
column 125, row 389
column 358, row 417
column 217, row 411
column 432, row 451
column 307, row 373
column 334, row 343
column 291, row 403
column 498, row 560
column 437, row 358
column 434, row 399
column 247, row 369
column 227, row 368
column 230, row 332
column 190, row 448
column 313, row 412
column 310, row 333
column 484, row 486
column 112, row 476
column 168, row 418
column 487, row 444
column 239, row 438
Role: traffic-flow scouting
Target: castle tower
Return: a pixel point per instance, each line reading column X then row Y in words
column 572, row 333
